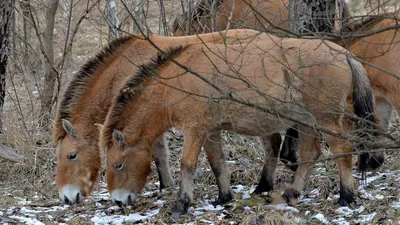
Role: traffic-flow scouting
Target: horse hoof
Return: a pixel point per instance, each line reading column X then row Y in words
column 347, row 196
column 223, row 198
column 291, row 195
column 179, row 209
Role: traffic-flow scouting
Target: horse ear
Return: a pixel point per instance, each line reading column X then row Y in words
column 68, row 128
column 118, row 137
column 99, row 126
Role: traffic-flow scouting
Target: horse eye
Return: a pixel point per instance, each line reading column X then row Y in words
column 72, row 157
column 119, row 166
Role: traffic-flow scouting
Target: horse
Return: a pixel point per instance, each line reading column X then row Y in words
column 258, row 88
column 232, row 14
column 381, row 53
column 86, row 102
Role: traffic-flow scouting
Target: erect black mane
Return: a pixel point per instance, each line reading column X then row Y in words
column 78, row 85
column 133, row 87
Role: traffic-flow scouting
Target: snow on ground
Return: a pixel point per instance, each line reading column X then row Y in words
column 377, row 195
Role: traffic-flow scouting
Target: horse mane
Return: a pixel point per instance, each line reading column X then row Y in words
column 367, row 22
column 78, row 85
column 132, row 90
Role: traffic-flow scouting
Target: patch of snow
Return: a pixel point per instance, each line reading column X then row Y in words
column 306, row 200
column 252, row 189
column 159, row 202
column 101, row 218
column 23, row 201
column 365, row 218
column 28, row 221
column 1, row 213
column 320, row 217
column 246, row 195
column 206, row 221
column 198, row 213
column 221, row 216
column 148, row 193
column 346, row 211
column 210, row 207
column 313, row 193
column 238, row 188
column 247, row 208
column 359, row 210
column 366, row 194
column 379, row 197
column 283, row 207
column 396, row 205
column 340, row 221
column 373, row 178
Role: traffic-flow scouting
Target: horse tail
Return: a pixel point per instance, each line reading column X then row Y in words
column 363, row 106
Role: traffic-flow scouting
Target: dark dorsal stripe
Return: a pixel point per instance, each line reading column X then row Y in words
column 78, row 85
column 132, row 88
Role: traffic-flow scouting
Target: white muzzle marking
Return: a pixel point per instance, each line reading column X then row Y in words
column 70, row 194
column 123, row 197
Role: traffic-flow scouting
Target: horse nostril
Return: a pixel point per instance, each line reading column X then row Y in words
column 129, row 200
column 77, row 197
column 66, row 200
column 119, row 203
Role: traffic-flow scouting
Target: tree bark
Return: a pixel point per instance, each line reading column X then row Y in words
column 6, row 12
column 310, row 17
column 50, row 74
column 112, row 19
column 26, row 13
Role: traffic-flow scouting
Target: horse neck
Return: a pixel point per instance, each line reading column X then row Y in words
column 147, row 121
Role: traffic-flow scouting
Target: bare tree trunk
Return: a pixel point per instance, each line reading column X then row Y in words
column 26, row 13
column 112, row 19
column 162, row 20
column 139, row 8
column 309, row 17
column 50, row 74
column 6, row 12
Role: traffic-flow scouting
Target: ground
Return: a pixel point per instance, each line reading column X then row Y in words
column 378, row 200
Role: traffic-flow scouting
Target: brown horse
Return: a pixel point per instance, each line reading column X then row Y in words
column 258, row 88
column 381, row 53
column 87, row 100
column 232, row 14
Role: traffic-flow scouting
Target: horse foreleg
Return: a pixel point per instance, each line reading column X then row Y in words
column 193, row 140
column 160, row 157
column 271, row 145
column 213, row 148
column 310, row 150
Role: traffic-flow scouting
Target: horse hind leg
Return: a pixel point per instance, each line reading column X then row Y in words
column 343, row 148
column 271, row 145
column 290, row 147
column 160, row 157
column 384, row 113
column 310, row 150
column 213, row 148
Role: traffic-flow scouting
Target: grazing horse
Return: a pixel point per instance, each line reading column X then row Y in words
column 258, row 88
column 86, row 102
